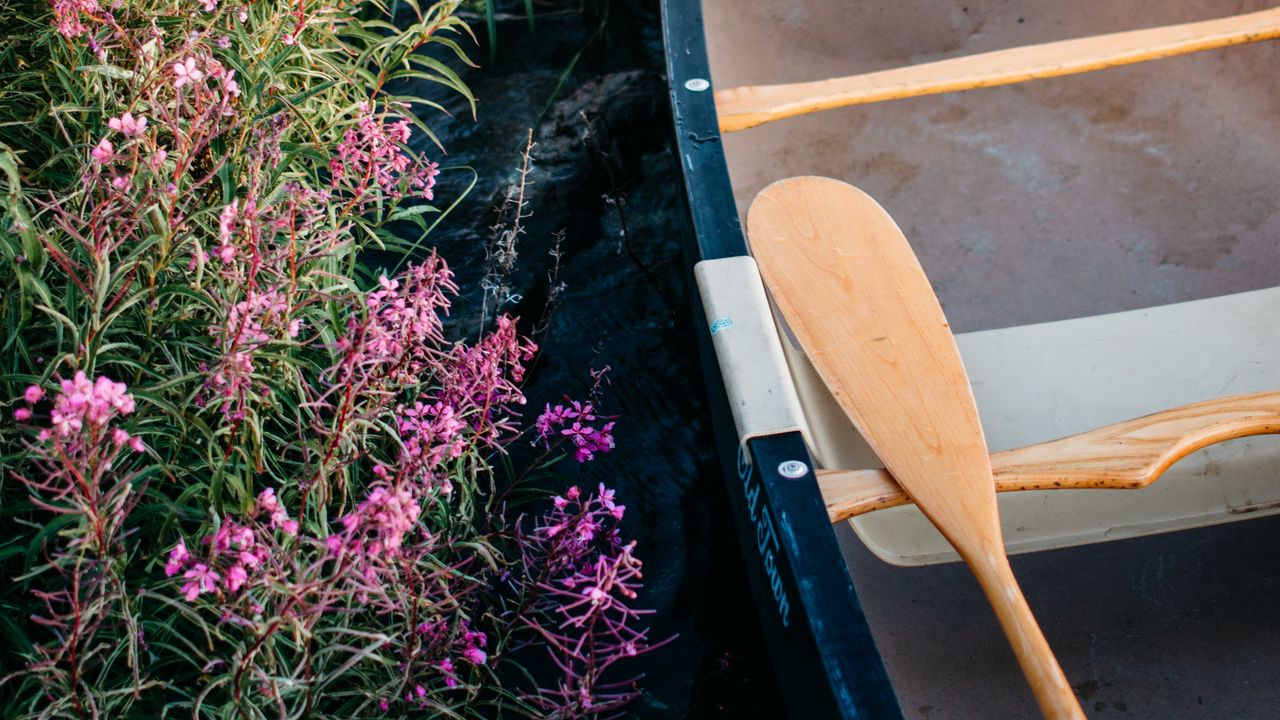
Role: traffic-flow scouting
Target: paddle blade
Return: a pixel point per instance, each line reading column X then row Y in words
column 854, row 295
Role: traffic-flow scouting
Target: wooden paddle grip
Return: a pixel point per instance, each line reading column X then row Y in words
column 1044, row 674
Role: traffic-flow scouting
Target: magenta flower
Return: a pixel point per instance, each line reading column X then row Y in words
column 574, row 423
column 178, row 558
column 33, row 394
column 236, row 577
column 450, row 676
column 127, row 125
column 22, row 414
column 202, row 579
column 185, row 72
column 370, row 158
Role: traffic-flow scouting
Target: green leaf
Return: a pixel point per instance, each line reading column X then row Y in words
column 110, row 71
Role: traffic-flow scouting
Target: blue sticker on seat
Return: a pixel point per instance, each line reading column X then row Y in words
column 722, row 323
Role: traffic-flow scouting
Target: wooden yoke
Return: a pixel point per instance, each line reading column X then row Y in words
column 1126, row 455
column 745, row 107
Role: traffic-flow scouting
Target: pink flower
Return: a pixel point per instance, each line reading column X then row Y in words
column 104, row 153
column 127, row 125
column 114, row 394
column 249, row 557
column 67, row 15
column 209, row 5
column 203, row 579
column 135, row 443
column 383, row 705
column 33, row 394
column 267, row 501
column 186, row 71
column 230, row 85
column 178, row 558
column 22, row 414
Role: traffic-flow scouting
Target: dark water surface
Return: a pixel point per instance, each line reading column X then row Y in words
column 604, row 188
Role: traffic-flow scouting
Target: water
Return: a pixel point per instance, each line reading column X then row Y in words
column 604, row 189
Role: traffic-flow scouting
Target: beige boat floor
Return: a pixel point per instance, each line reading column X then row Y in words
column 1114, row 190
column 1110, row 191
column 1171, row 627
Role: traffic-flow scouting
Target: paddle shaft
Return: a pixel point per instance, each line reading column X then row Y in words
column 1035, row 657
column 740, row 108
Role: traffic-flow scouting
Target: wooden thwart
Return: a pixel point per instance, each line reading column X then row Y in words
column 744, row 107
column 1127, row 455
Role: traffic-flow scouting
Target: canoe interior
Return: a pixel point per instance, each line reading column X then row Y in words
column 1110, row 191
column 1113, row 190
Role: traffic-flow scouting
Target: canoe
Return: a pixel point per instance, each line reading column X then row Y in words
column 1093, row 191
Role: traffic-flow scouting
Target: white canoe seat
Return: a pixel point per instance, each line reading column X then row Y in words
column 1040, row 382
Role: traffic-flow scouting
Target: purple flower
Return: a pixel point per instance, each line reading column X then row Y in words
column 475, row 655
column 450, row 676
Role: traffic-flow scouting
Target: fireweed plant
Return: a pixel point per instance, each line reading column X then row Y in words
column 241, row 474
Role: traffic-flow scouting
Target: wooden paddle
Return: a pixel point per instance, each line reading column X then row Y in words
column 1124, row 456
column 744, row 107
column 851, row 290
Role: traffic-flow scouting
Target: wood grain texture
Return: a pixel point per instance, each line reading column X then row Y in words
column 853, row 293
column 745, row 107
column 1127, row 455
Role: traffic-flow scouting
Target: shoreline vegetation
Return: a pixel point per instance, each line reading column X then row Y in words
column 242, row 473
